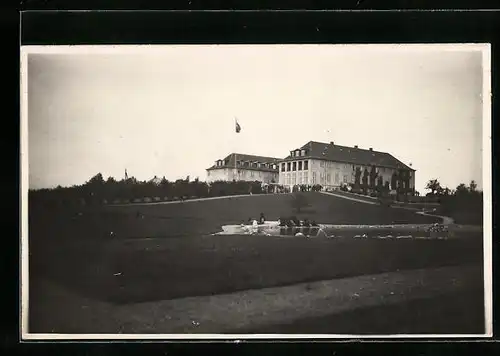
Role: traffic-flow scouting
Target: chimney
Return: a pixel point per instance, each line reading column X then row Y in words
column 331, row 143
column 371, row 148
column 356, row 146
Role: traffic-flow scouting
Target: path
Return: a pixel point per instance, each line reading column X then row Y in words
column 249, row 309
column 446, row 220
column 191, row 200
column 351, row 198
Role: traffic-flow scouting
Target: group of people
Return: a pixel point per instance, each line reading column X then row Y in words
column 260, row 221
column 288, row 225
column 296, row 227
column 294, row 222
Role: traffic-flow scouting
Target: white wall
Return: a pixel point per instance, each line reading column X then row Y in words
column 228, row 174
column 291, row 178
column 218, row 174
column 330, row 174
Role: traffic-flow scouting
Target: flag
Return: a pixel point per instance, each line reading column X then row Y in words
column 126, row 175
column 238, row 127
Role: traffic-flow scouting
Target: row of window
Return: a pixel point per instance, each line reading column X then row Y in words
column 256, row 165
column 300, row 178
column 303, row 178
column 295, row 166
column 298, row 153
column 220, row 163
column 329, row 164
column 324, row 179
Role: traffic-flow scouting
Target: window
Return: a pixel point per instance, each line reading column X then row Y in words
column 300, row 166
column 336, row 178
column 292, row 153
column 288, row 167
column 283, row 167
column 306, row 165
column 314, row 178
column 208, row 174
column 306, row 178
column 300, row 178
column 345, row 178
column 251, row 174
column 294, row 166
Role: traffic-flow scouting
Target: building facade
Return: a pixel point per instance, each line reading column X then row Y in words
column 244, row 167
column 332, row 166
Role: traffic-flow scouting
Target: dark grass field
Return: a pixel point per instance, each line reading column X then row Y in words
column 167, row 255
column 204, row 217
column 459, row 313
column 116, row 255
column 166, row 269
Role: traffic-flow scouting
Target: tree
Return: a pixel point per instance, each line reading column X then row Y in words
column 357, row 177
column 434, row 186
column 380, row 181
column 299, row 201
column 472, row 186
column 394, row 181
column 365, row 177
column 373, row 176
column 97, row 179
column 461, row 190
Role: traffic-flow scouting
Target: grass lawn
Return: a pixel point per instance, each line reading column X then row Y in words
column 204, row 217
column 460, row 313
column 146, row 270
column 167, row 254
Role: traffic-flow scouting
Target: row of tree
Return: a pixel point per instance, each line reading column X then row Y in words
column 98, row 190
column 371, row 180
column 463, row 201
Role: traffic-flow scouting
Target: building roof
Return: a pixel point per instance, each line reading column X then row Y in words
column 353, row 155
column 230, row 161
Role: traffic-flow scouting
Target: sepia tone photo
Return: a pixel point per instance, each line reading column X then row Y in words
column 256, row 191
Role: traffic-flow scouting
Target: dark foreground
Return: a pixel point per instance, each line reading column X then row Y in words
column 138, row 271
column 460, row 313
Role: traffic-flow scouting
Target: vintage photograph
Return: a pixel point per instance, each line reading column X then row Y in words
column 256, row 191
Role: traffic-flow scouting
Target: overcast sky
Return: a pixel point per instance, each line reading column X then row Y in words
column 170, row 111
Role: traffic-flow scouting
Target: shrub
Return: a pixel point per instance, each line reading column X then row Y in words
column 299, row 201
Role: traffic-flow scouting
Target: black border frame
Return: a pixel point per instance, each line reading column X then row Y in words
column 268, row 26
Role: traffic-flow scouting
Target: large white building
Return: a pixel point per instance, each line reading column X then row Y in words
column 332, row 165
column 245, row 167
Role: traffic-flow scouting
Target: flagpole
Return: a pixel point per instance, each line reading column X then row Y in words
column 235, row 153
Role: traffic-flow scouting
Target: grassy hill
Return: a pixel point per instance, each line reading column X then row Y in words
column 131, row 254
column 80, row 252
column 204, row 217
